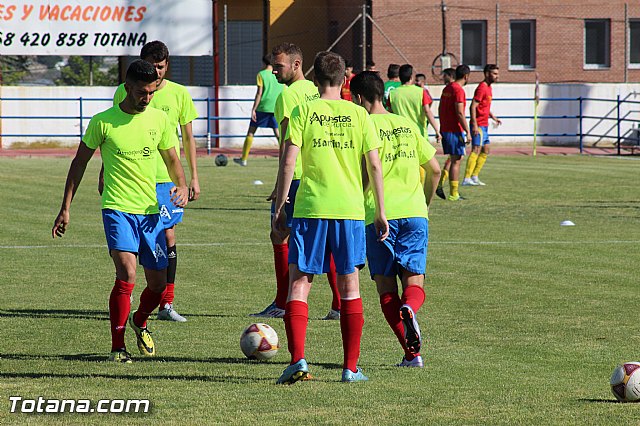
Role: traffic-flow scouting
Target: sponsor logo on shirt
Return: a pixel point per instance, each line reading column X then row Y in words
column 333, row 120
column 136, row 153
column 398, row 131
column 308, row 98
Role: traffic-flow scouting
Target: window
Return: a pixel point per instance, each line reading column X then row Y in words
column 597, row 43
column 244, row 52
column 634, row 43
column 474, row 43
column 522, row 49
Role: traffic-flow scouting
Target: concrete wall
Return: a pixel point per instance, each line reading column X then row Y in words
column 237, row 102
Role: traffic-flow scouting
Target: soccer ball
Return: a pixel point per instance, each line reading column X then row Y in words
column 259, row 341
column 221, row 160
column 625, row 382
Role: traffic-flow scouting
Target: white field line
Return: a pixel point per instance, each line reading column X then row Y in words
column 506, row 243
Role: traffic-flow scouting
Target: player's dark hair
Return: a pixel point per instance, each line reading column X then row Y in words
column 369, row 85
column 267, row 59
column 348, row 63
column 405, row 73
column 462, row 70
column 370, row 64
column 155, row 50
column 420, row 75
column 329, row 68
column 450, row 72
column 289, row 49
column 393, row 70
column 141, row 71
column 490, row 67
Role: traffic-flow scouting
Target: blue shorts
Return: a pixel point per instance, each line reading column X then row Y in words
column 264, row 119
column 312, row 241
column 288, row 207
column 141, row 234
column 453, row 143
column 406, row 246
column 482, row 138
column 170, row 214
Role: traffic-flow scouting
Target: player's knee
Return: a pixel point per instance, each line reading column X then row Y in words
column 276, row 240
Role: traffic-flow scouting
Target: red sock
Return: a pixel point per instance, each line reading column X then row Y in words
column 167, row 295
column 119, row 306
column 333, row 283
column 148, row 302
column 351, row 322
column 390, row 304
column 296, row 318
column 414, row 297
column 281, row 260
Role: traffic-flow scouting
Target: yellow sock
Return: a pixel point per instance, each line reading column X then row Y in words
column 482, row 158
column 248, row 141
column 471, row 165
column 423, row 176
column 453, row 188
column 443, row 178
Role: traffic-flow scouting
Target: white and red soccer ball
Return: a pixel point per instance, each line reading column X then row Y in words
column 259, row 341
column 625, row 382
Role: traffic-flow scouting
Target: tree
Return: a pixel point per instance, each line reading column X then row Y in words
column 14, row 69
column 76, row 73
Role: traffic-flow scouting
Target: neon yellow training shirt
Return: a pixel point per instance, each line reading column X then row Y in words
column 299, row 92
column 333, row 135
column 129, row 146
column 403, row 150
column 176, row 102
column 407, row 100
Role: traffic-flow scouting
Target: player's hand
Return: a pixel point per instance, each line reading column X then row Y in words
column 272, row 197
column 468, row 139
column 497, row 121
column 179, row 196
column 279, row 225
column 438, row 137
column 60, row 224
column 254, row 116
column 194, row 190
column 100, row 184
column 474, row 130
column 382, row 227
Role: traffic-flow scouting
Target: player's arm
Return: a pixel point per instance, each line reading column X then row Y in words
column 463, row 120
column 374, row 170
column 74, row 177
column 433, row 122
column 284, row 124
column 473, row 121
column 494, row 118
column 101, row 180
column 432, row 168
column 256, row 102
column 285, row 175
column 189, row 143
column 180, row 194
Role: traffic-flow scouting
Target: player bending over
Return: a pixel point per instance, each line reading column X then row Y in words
column 331, row 136
column 403, row 254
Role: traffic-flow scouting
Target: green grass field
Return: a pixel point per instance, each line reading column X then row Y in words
column 524, row 319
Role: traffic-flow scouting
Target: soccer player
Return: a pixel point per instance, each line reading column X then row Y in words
column 454, row 127
column 130, row 137
column 345, row 92
column 263, row 105
column 448, row 75
column 175, row 101
column 331, row 136
column 393, row 72
column 403, row 254
column 413, row 102
column 421, row 81
column 287, row 66
column 480, row 113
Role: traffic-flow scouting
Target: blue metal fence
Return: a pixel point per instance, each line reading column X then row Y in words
column 570, row 103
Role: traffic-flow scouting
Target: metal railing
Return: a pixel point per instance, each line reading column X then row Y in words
column 579, row 119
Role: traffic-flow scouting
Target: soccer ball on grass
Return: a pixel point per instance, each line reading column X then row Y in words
column 259, row 341
column 221, row 160
column 625, row 382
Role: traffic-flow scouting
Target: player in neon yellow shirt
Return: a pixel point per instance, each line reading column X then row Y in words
column 130, row 136
column 287, row 67
column 263, row 106
column 175, row 101
column 403, row 254
column 332, row 136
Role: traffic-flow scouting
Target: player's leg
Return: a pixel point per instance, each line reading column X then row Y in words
column 170, row 216
column 482, row 157
column 456, row 148
column 153, row 257
column 248, row 142
column 476, row 143
column 346, row 239
column 443, row 178
column 332, row 277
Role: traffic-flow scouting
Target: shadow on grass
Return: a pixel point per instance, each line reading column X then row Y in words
column 198, row 378
column 599, row 400
column 54, row 313
column 155, row 359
